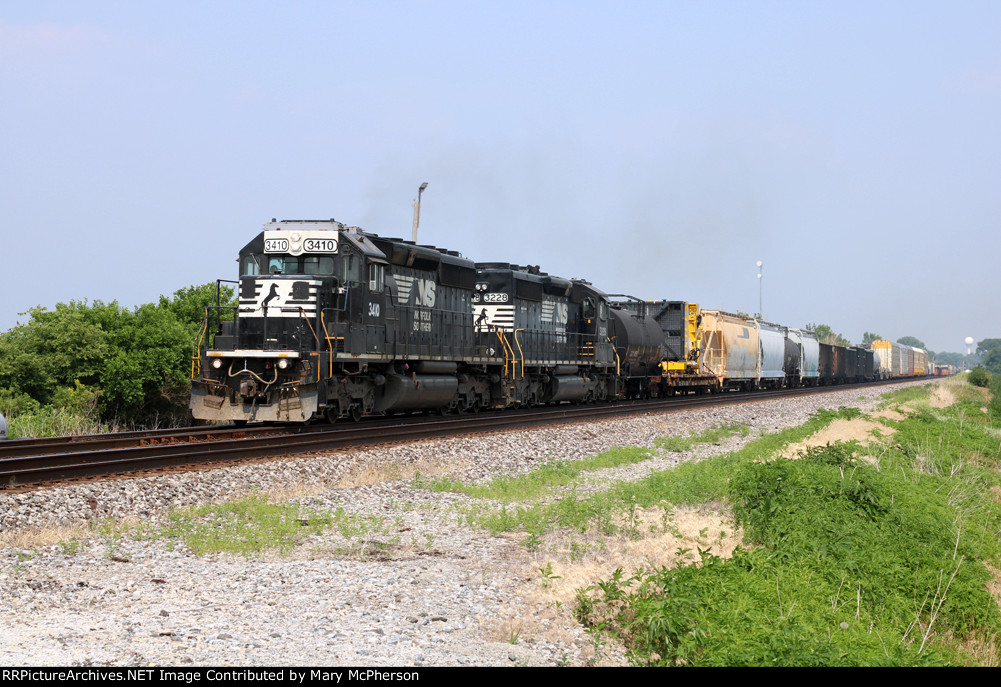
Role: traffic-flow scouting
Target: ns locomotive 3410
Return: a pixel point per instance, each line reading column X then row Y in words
column 335, row 322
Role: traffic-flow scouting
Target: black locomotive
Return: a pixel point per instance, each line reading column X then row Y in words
column 336, row 322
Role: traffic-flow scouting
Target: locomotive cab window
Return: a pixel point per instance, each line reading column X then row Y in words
column 352, row 269
column 307, row 264
column 277, row 264
column 318, row 264
column 376, row 273
column 249, row 266
column 588, row 308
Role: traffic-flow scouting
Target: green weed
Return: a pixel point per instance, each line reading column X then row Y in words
column 251, row 525
column 537, row 482
column 547, row 575
column 713, row 435
column 687, row 484
column 907, row 394
column 70, row 547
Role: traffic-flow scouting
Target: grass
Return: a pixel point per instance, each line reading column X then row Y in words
column 540, row 481
column 849, row 557
column 711, row 436
column 251, row 525
column 905, row 395
column 53, row 422
column 995, row 404
column 687, row 484
column 847, row 561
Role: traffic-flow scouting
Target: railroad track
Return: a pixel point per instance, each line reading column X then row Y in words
column 35, row 463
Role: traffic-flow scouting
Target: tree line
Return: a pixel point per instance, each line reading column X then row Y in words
column 105, row 361
column 132, row 366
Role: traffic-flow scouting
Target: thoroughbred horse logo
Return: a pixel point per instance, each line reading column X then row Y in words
column 271, row 296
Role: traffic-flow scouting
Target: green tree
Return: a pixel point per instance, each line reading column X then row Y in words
column 57, row 349
column 146, row 374
column 987, row 345
column 992, row 361
column 132, row 365
column 950, row 358
column 826, row 335
column 188, row 304
column 869, row 337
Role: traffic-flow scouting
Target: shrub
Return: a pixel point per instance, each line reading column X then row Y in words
column 996, row 395
column 979, row 376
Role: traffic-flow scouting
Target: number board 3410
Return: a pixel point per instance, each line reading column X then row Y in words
column 319, row 245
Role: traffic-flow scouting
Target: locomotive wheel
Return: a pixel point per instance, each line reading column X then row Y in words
column 331, row 415
column 355, row 413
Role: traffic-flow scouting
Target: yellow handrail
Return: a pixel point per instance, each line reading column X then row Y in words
column 507, row 349
column 196, row 351
column 310, row 325
column 520, row 352
column 330, row 347
column 317, row 354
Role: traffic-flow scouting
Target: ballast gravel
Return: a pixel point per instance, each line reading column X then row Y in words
column 417, row 587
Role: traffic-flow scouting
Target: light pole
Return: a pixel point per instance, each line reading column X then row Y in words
column 760, row 309
column 417, row 209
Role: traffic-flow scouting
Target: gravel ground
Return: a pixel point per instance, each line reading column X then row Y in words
column 416, row 588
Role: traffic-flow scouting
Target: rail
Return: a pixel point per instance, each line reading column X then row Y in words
column 20, row 466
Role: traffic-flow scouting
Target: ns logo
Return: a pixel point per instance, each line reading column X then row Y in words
column 425, row 294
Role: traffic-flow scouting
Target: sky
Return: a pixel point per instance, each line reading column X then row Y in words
column 657, row 148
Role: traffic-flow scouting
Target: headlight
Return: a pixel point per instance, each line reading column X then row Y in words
column 217, row 363
column 283, row 364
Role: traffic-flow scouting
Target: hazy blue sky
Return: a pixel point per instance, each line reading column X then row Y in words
column 654, row 148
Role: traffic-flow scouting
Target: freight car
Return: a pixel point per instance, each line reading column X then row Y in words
column 334, row 322
column 892, row 360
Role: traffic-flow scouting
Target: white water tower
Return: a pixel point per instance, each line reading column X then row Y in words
column 969, row 342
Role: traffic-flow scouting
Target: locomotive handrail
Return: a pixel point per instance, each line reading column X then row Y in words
column 302, row 313
column 618, row 361
column 520, row 352
column 328, row 339
column 196, row 348
column 505, row 346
